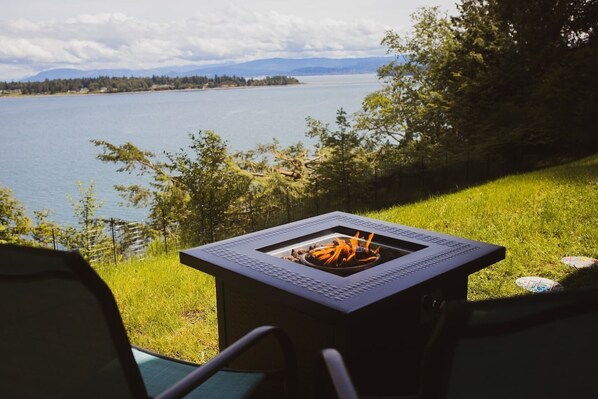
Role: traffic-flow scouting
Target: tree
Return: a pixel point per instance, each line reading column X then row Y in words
column 165, row 198
column 412, row 107
column 566, row 103
column 193, row 190
column 528, row 86
column 214, row 184
column 14, row 223
column 504, row 85
column 281, row 177
column 341, row 172
column 88, row 237
column 45, row 232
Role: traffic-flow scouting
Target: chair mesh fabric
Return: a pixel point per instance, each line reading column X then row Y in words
column 54, row 338
column 541, row 346
column 61, row 336
column 160, row 373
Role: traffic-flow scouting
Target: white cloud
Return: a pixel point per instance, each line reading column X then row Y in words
column 116, row 40
column 9, row 72
column 34, row 51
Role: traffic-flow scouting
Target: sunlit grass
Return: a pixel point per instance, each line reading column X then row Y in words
column 165, row 306
column 539, row 217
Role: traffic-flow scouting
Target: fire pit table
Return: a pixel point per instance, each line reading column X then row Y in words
column 379, row 316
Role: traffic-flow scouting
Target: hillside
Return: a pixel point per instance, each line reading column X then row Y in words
column 539, row 217
column 265, row 67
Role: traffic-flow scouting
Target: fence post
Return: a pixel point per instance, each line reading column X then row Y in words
column 251, row 215
column 317, row 195
column 164, row 232
column 288, row 207
column 376, row 201
column 113, row 240
column 467, row 167
column 399, row 181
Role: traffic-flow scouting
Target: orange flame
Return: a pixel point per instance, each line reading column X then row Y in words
column 341, row 253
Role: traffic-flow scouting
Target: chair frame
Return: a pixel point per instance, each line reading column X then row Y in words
column 453, row 324
column 86, row 275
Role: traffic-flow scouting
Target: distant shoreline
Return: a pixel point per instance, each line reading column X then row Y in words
column 95, row 93
column 118, row 85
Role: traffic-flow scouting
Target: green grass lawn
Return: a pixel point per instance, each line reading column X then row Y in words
column 539, row 217
column 165, row 306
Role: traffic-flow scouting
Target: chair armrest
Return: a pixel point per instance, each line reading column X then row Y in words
column 341, row 380
column 205, row 371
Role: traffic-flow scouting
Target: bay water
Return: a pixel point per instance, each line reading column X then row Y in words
column 45, row 141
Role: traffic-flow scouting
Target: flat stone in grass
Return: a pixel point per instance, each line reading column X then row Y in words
column 579, row 262
column 538, row 284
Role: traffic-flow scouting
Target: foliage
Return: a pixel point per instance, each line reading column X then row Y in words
column 213, row 182
column 191, row 191
column 410, row 106
column 165, row 198
column 205, row 193
column 280, row 176
column 45, row 232
column 490, row 82
column 89, row 233
column 340, row 173
column 105, row 84
column 14, row 223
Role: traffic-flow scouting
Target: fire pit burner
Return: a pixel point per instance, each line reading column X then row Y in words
column 339, row 253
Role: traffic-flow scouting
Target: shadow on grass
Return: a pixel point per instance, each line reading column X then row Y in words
column 581, row 278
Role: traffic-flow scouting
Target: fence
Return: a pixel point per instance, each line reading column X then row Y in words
column 117, row 240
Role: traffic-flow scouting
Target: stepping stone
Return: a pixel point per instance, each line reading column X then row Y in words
column 579, row 262
column 538, row 284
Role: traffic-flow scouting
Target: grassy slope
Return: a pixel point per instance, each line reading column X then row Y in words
column 539, row 217
column 166, row 306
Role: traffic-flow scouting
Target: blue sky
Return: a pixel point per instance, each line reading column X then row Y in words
column 37, row 35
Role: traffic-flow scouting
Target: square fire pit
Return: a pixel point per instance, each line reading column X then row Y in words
column 379, row 314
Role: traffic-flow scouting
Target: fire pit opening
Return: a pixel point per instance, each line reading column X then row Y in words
column 341, row 251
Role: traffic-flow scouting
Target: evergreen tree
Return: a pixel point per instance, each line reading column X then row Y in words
column 214, row 184
column 412, row 107
column 45, row 232
column 194, row 190
column 88, row 237
column 342, row 171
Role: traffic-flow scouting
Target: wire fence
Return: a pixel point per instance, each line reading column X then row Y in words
column 116, row 241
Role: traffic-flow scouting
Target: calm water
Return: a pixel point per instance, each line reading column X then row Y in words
column 45, row 148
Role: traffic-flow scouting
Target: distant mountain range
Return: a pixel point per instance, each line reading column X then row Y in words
column 266, row 67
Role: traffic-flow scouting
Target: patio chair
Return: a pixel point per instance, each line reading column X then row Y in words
column 61, row 336
column 523, row 347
